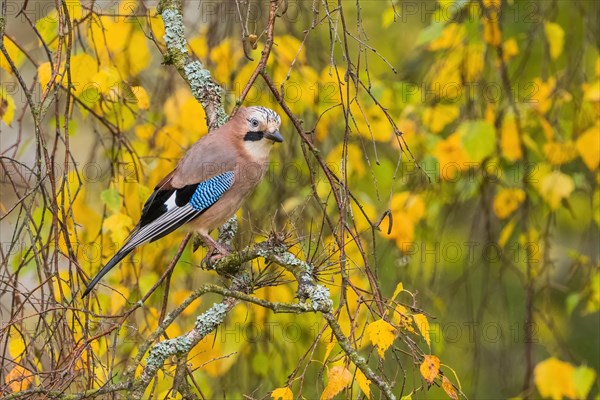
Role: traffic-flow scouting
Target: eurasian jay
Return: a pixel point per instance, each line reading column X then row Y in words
column 209, row 183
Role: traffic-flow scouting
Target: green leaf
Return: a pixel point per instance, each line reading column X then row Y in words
column 479, row 139
column 111, row 198
column 18, row 261
column 572, row 301
column 430, row 33
column 47, row 27
column 583, row 379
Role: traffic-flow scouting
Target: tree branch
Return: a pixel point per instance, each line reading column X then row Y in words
column 204, row 88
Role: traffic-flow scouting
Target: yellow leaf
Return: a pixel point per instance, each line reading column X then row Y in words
column 407, row 210
column 388, row 17
column 145, row 132
column 491, row 32
column 136, row 56
column 179, row 296
column 60, row 283
column 16, row 347
column 338, row 378
column 7, row 107
column 16, row 55
column 440, row 115
column 452, row 156
column 490, row 113
column 107, row 80
column 371, row 122
column 284, row 393
column 556, row 38
column 118, row 43
column 157, row 26
column 410, row 203
column 399, row 289
column 542, row 98
column 510, row 48
column 362, row 224
column 509, row 139
column 198, row 46
column 452, row 36
column 553, row 379
column 403, row 230
column 473, row 61
column 555, row 187
column 423, row 325
column 430, row 368
column 118, row 300
column 75, row 9
column 491, row 27
column 44, row 74
column 560, row 153
column 354, row 160
column 591, row 91
column 402, row 318
column 507, row 201
column 328, row 349
column 448, row 73
column 118, row 225
column 449, row 388
column 83, row 70
column 183, row 110
column 363, row 383
column 289, row 48
column 588, row 146
column 381, row 334
column 225, row 57
column 19, row 379
column 141, row 95
column 109, row 35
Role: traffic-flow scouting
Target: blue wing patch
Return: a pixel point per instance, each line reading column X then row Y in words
column 208, row 192
column 167, row 210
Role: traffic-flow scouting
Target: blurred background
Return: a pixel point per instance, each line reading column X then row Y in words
column 466, row 132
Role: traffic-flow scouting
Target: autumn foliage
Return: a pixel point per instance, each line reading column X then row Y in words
column 439, row 176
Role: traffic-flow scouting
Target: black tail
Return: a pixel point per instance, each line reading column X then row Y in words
column 109, row 265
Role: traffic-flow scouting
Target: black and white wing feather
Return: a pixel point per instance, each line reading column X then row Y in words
column 165, row 211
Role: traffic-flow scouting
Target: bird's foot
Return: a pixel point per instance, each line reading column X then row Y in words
column 214, row 254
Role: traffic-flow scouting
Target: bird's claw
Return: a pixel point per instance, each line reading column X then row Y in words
column 214, row 255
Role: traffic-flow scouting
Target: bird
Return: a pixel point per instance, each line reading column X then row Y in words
column 208, row 185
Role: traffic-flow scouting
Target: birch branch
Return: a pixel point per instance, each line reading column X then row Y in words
column 204, row 88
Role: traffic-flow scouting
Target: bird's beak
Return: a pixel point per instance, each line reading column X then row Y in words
column 274, row 136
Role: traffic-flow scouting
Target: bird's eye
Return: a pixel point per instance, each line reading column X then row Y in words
column 254, row 122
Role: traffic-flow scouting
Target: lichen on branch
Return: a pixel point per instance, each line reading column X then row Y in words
column 204, row 88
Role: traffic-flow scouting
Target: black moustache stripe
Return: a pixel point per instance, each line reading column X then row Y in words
column 253, row 136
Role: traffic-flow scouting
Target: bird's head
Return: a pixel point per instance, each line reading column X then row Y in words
column 261, row 128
